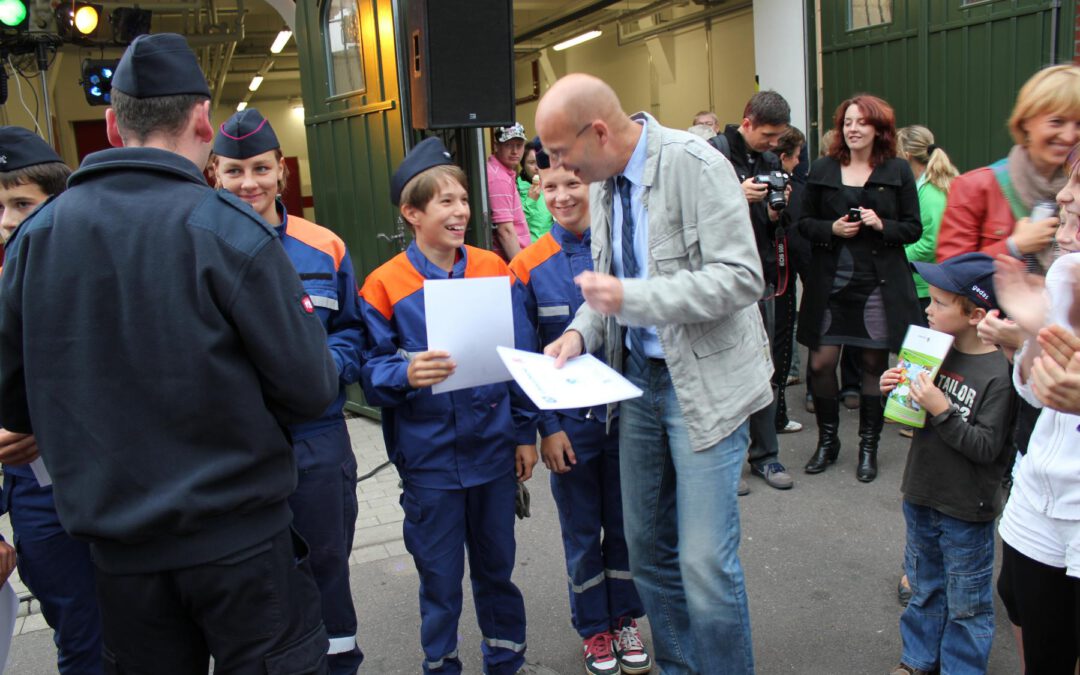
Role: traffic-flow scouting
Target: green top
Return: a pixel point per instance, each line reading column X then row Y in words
column 536, row 211
column 931, row 206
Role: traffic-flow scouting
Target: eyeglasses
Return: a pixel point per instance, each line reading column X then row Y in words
column 556, row 155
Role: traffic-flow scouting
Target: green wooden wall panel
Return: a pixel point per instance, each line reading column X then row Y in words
column 957, row 70
column 353, row 143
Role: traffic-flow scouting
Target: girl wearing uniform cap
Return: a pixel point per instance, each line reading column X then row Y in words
column 248, row 162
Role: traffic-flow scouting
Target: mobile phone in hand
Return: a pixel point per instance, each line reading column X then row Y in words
column 854, row 215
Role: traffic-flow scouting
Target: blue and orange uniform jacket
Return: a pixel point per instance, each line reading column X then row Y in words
column 326, row 271
column 545, row 274
column 445, row 441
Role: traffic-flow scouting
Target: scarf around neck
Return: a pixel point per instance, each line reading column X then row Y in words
column 1029, row 184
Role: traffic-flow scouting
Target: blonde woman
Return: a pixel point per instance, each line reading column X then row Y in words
column 934, row 173
column 988, row 208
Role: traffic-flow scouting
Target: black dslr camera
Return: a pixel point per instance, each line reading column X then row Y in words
column 777, row 182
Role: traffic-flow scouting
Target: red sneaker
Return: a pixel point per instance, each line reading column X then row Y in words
column 630, row 650
column 599, row 657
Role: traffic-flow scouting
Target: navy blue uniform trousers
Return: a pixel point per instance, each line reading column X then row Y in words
column 58, row 571
column 440, row 525
column 589, row 500
column 324, row 510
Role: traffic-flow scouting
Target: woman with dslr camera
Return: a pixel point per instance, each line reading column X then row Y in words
column 859, row 210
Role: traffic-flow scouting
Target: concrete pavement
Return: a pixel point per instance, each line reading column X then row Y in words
column 821, row 561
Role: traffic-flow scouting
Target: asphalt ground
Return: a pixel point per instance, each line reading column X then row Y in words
column 821, row 560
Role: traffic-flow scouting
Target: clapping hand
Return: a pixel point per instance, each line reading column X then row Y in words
column 1055, row 373
column 1021, row 295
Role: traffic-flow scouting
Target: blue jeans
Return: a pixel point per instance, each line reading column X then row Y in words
column 949, row 622
column 682, row 528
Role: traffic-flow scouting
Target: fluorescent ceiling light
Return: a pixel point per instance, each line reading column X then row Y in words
column 241, row 105
column 280, row 41
column 256, row 82
column 584, row 37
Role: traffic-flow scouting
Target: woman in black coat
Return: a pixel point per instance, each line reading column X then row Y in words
column 860, row 207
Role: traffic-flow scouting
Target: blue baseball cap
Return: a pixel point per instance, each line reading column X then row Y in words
column 424, row 155
column 969, row 274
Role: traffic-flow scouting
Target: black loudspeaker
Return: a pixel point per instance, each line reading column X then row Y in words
column 461, row 63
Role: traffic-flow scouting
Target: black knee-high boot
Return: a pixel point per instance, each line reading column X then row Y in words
column 827, row 412
column 871, row 418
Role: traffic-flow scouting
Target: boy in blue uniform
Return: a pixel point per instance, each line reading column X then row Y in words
column 248, row 162
column 952, row 481
column 579, row 447
column 56, row 568
column 455, row 451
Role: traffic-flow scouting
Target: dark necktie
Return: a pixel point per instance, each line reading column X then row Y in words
column 629, row 257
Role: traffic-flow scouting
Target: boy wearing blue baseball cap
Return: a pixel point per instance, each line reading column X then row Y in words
column 952, row 481
column 460, row 454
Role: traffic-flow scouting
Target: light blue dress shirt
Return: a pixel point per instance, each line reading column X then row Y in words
column 635, row 173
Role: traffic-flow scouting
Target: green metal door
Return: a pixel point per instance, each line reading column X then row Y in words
column 951, row 65
column 354, row 128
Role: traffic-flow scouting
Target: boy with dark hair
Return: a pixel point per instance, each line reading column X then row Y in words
column 26, row 186
column 457, row 453
column 952, row 482
column 579, row 446
column 56, row 568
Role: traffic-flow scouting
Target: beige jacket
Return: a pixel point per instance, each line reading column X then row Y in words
column 703, row 286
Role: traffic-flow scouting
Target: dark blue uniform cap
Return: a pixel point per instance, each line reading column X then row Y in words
column 245, row 135
column 159, row 65
column 542, row 159
column 426, row 154
column 20, row 148
column 969, row 274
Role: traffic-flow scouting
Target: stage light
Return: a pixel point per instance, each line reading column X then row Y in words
column 15, row 14
column 77, row 21
column 86, row 19
column 96, row 80
column 129, row 23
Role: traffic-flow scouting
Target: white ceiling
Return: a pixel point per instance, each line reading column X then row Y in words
column 213, row 25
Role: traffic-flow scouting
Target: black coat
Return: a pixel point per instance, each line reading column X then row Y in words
column 160, row 339
column 891, row 191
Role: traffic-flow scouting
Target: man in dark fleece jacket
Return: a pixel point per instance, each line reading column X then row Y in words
column 157, row 340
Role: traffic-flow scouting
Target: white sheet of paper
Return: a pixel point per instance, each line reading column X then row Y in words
column 9, row 611
column 470, row 318
column 583, row 382
column 41, row 473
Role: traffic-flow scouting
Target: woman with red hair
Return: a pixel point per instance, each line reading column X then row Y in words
column 860, row 208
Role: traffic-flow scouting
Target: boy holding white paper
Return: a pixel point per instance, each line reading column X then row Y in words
column 455, row 451
column 579, row 446
column 952, row 481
